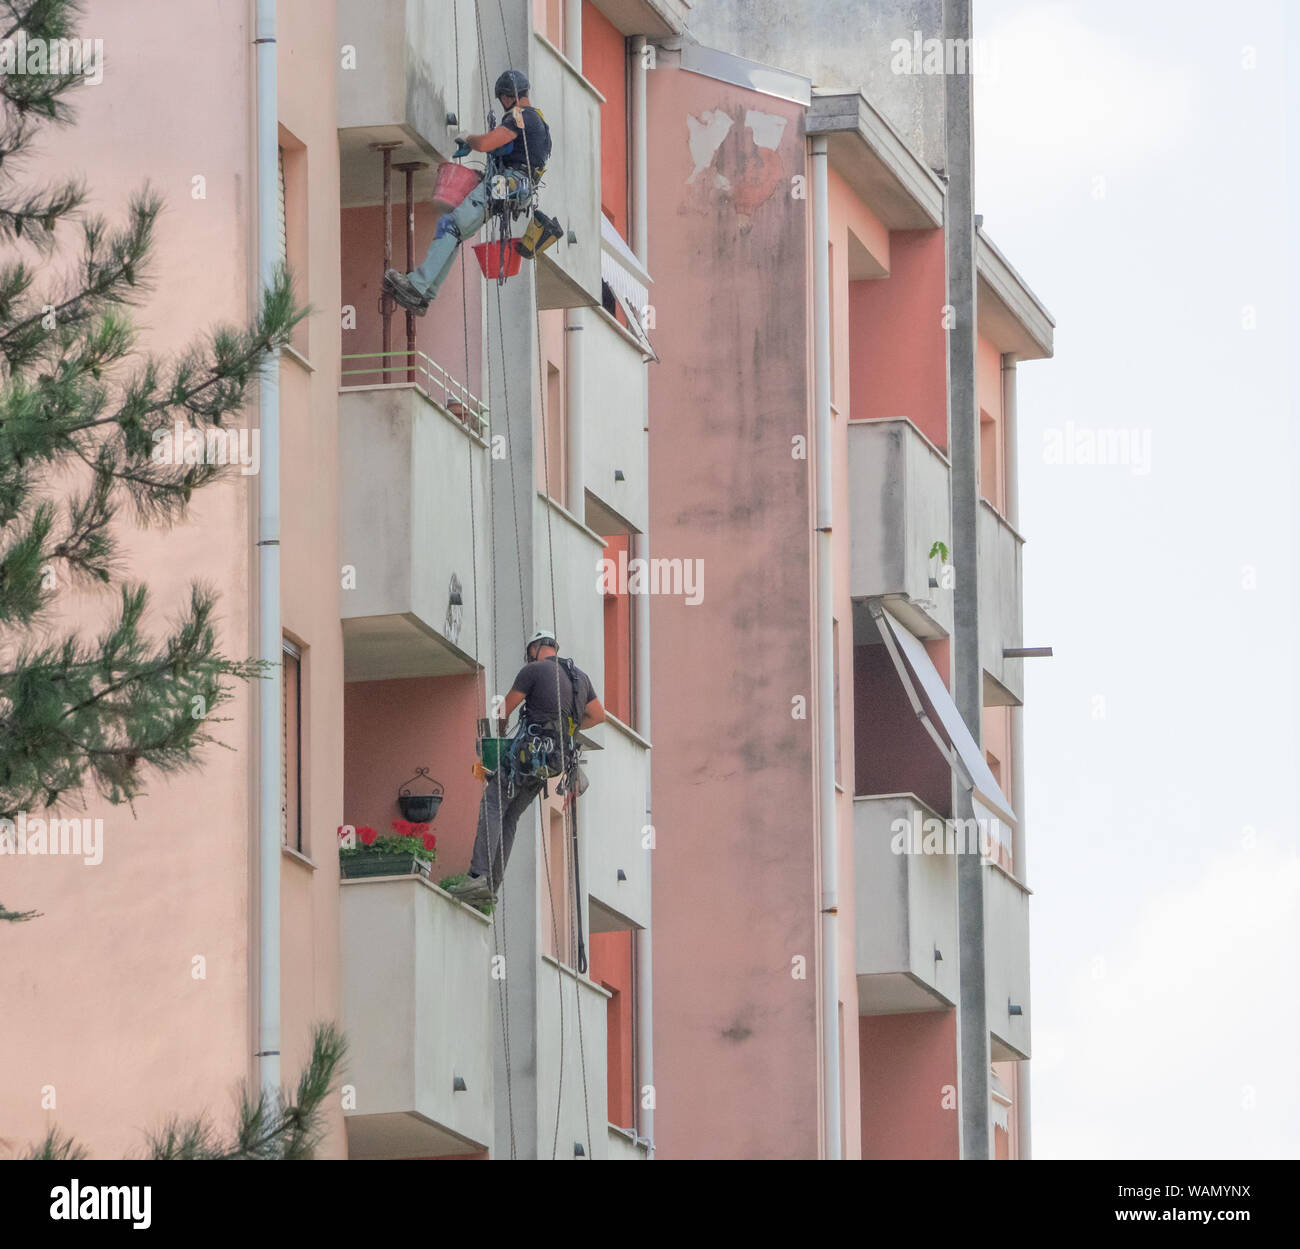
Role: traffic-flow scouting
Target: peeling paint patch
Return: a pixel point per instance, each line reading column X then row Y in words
column 706, row 135
column 767, row 127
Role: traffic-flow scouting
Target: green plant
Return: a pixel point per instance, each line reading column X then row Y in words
column 941, row 550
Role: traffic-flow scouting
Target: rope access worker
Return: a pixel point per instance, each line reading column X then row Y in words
column 558, row 699
column 518, row 150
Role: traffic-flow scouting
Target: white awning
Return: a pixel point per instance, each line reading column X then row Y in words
column 951, row 735
column 620, row 267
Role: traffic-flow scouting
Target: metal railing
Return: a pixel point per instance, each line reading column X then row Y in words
column 387, row 368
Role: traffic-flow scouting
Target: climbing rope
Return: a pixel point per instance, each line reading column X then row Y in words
column 573, row 897
column 499, row 940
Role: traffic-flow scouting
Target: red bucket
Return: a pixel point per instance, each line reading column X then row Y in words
column 489, row 258
column 453, row 183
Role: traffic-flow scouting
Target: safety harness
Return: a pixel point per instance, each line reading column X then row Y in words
column 545, row 751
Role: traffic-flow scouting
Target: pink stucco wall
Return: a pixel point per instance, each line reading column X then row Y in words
column 734, row 877
column 131, row 997
column 898, row 340
column 988, row 390
column 440, row 333
column 909, row 1076
column 393, row 727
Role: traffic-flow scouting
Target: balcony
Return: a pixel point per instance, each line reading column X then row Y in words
column 579, row 1109
column 403, row 81
column 575, row 553
column 1000, row 608
column 568, row 274
column 611, row 815
column 1006, row 963
column 905, row 909
column 407, row 452
column 898, row 508
column 416, row 991
column 614, row 382
column 658, row 19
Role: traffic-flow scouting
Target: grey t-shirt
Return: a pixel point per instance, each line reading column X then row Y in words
column 537, row 683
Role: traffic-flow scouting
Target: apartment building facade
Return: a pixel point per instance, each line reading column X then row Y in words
column 804, row 1009
column 646, row 390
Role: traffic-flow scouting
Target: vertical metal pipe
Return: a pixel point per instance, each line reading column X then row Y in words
column 385, row 299
column 641, row 547
column 639, row 151
column 825, row 654
column 270, row 649
column 974, row 1084
column 573, row 33
column 1019, row 854
column 408, row 168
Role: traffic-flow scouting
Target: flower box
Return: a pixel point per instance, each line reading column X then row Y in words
column 381, row 863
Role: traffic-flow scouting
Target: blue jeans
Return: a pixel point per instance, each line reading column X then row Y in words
column 462, row 223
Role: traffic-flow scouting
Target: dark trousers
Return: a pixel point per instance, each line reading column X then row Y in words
column 496, row 828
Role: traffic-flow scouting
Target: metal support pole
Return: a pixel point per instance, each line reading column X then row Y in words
column 974, row 1082
column 409, row 167
column 385, row 299
column 829, row 908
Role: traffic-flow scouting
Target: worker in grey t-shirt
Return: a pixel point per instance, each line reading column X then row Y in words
column 546, row 690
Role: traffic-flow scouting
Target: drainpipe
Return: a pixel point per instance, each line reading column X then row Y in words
column 573, row 33
column 825, row 649
column 974, row 1090
column 1019, row 858
column 268, row 549
column 641, row 545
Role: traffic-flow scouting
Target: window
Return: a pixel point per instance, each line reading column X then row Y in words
column 835, row 647
column 291, row 748
column 292, row 225
column 554, row 466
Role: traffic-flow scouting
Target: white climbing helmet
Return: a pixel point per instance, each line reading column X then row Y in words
column 542, row 635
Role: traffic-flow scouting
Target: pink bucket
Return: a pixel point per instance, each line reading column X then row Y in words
column 453, row 183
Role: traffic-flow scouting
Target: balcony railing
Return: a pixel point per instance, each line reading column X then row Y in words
column 1006, row 962
column 905, row 906
column 389, row 368
column 1000, row 606
column 898, row 510
column 417, row 1009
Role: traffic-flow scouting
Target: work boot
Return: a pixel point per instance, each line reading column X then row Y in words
column 473, row 889
column 400, row 288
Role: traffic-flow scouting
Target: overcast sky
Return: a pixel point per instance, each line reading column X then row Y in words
column 1134, row 169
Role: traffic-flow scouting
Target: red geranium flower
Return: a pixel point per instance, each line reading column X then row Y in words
column 401, row 827
column 430, row 841
column 418, row 830
column 367, row 835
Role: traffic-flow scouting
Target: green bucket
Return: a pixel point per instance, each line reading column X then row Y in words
column 492, row 750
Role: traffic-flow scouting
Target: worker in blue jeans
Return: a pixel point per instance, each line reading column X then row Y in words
column 518, row 150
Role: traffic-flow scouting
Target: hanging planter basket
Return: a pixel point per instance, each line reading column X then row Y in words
column 420, row 808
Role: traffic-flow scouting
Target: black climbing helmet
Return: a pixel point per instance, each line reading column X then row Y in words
column 513, row 82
